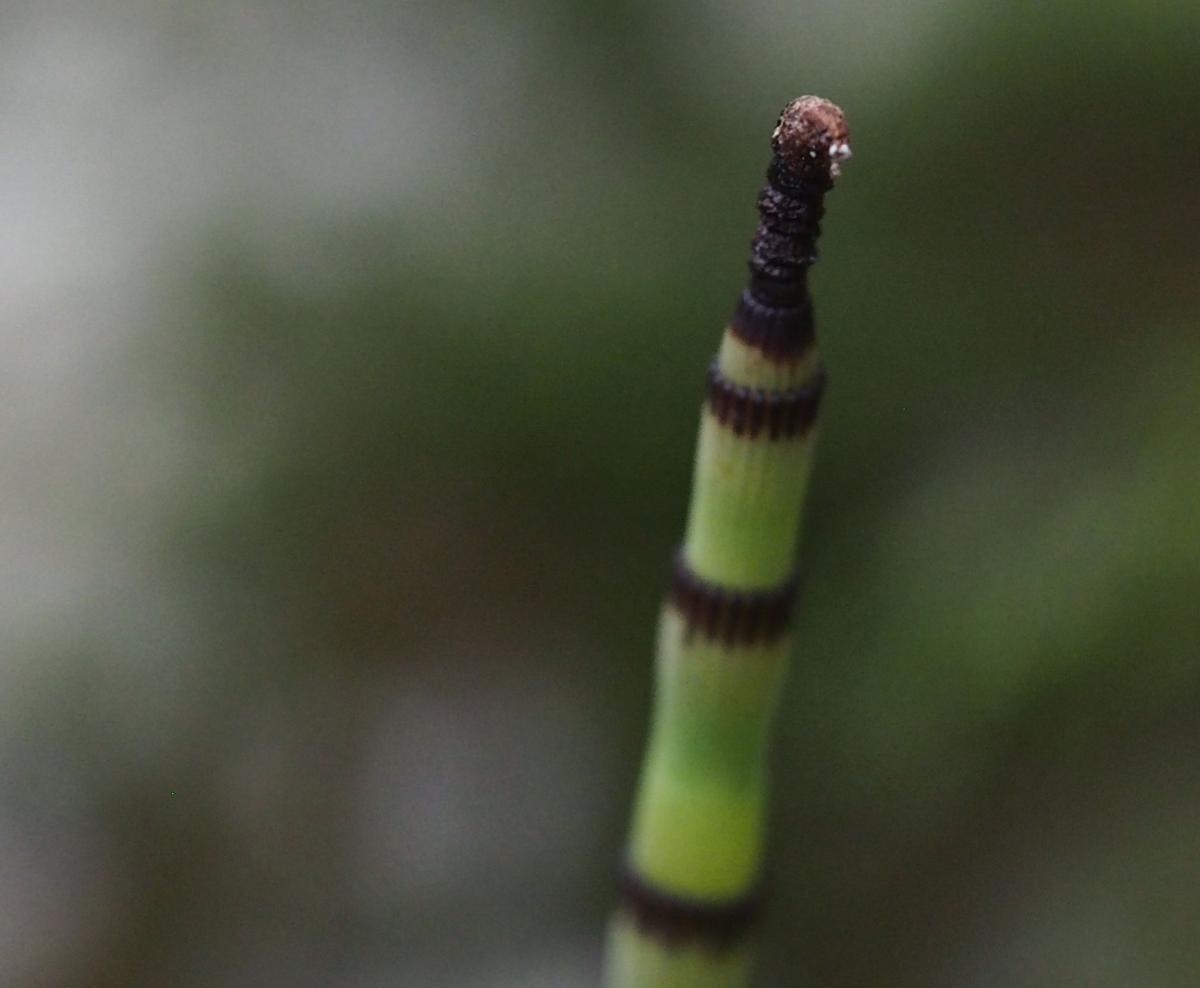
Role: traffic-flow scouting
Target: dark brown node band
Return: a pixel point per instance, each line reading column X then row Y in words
column 733, row 617
column 782, row 333
column 753, row 411
column 676, row 920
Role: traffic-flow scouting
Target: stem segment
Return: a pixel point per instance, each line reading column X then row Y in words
column 691, row 889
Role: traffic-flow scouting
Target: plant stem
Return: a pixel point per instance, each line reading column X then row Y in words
column 691, row 887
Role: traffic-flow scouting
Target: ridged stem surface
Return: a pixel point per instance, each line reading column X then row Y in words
column 691, row 889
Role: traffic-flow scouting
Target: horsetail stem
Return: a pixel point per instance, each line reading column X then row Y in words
column 691, row 888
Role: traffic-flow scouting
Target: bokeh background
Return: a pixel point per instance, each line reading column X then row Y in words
column 352, row 356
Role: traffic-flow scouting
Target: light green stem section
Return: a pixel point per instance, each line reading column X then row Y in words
column 698, row 826
column 748, row 365
column 698, row 821
column 747, row 496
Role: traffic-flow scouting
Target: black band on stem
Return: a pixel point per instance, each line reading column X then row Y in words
column 782, row 333
column 676, row 920
column 732, row 617
column 753, row 411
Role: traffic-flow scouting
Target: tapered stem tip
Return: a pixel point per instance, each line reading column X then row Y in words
column 811, row 131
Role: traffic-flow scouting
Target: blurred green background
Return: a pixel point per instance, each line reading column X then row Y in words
column 353, row 355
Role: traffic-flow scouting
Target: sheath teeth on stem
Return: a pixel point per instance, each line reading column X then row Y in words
column 691, row 888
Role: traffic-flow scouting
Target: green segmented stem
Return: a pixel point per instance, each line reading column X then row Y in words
column 693, row 873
